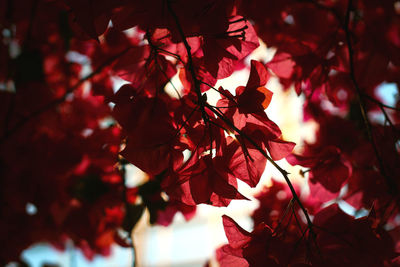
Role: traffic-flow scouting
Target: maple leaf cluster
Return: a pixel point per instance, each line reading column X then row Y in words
column 67, row 134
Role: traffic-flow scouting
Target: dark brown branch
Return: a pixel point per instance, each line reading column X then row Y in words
column 283, row 172
column 190, row 65
column 380, row 103
column 391, row 184
column 203, row 104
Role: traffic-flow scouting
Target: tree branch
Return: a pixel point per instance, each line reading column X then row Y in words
column 283, row 172
column 190, row 65
column 380, row 103
column 203, row 104
column 391, row 184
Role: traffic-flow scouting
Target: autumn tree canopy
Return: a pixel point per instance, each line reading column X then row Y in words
column 66, row 134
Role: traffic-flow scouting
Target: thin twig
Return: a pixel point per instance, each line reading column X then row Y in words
column 156, row 49
column 203, row 104
column 283, row 172
column 288, row 207
column 392, row 187
column 184, row 122
column 380, row 103
column 221, row 92
column 190, row 64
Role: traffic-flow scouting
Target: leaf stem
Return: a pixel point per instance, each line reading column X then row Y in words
column 190, row 64
column 283, row 172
